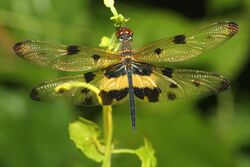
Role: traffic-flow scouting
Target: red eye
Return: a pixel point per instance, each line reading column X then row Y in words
column 122, row 31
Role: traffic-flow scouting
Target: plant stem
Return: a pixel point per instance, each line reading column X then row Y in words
column 124, row 150
column 108, row 135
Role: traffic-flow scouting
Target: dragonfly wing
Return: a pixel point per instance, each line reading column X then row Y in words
column 65, row 58
column 83, row 89
column 164, row 84
column 150, row 84
column 153, row 84
column 189, row 45
column 72, row 87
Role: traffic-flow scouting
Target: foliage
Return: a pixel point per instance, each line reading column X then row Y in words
column 85, row 135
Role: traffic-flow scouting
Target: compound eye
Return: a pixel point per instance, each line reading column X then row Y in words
column 121, row 38
column 129, row 38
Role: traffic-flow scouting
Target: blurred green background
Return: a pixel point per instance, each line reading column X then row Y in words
column 208, row 132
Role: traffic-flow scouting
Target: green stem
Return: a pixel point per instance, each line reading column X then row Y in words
column 124, row 150
column 108, row 135
column 114, row 11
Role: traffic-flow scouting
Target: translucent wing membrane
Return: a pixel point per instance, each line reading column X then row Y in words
column 182, row 83
column 107, row 75
column 189, row 45
column 164, row 84
column 65, row 58
column 151, row 84
column 80, row 89
column 73, row 87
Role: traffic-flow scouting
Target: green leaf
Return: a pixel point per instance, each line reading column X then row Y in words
column 146, row 154
column 85, row 135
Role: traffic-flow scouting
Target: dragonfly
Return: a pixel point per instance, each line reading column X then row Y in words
column 129, row 74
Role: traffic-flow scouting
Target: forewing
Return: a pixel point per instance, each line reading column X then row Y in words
column 189, row 45
column 65, row 58
column 171, row 84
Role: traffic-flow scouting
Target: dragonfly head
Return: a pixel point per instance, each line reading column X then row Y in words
column 124, row 34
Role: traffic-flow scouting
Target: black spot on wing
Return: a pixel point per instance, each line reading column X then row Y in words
column 233, row 28
column 167, row 72
column 20, row 49
column 171, row 96
column 114, row 71
column 158, row 51
column 118, row 94
column 118, row 70
column 142, row 69
column 96, row 57
column 139, row 92
column 173, row 85
column 179, row 39
column 233, row 25
column 106, row 99
column 72, row 49
column 224, row 85
column 108, row 96
column 89, row 76
column 151, row 94
column 34, row 94
column 114, row 74
column 61, row 90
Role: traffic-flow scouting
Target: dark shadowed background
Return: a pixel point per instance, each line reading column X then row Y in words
column 207, row 132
